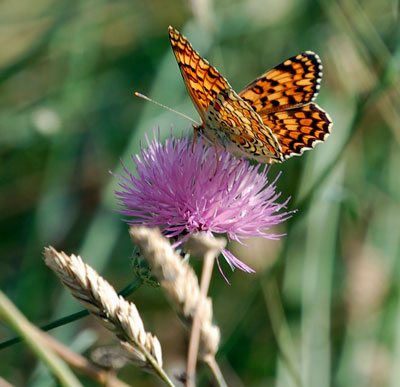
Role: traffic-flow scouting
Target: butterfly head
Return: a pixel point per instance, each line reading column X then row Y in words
column 209, row 135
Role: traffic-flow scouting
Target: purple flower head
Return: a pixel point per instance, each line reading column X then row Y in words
column 180, row 189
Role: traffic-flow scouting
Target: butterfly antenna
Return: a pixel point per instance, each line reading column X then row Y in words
column 140, row 95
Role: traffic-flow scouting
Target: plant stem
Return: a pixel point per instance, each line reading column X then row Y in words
column 280, row 328
column 34, row 339
column 216, row 371
column 208, row 264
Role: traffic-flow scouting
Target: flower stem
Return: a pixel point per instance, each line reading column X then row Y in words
column 159, row 370
column 216, row 371
column 208, row 264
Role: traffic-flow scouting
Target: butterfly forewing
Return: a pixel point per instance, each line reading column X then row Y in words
column 226, row 117
column 202, row 81
column 292, row 83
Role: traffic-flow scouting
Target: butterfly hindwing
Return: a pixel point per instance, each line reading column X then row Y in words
column 298, row 129
column 294, row 82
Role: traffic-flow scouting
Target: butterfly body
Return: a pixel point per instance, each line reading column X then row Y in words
column 242, row 128
column 269, row 121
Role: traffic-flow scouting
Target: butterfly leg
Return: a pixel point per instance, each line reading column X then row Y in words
column 196, row 135
column 194, row 141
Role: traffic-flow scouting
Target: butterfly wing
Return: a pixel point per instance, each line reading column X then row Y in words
column 282, row 98
column 203, row 82
column 298, row 129
column 227, row 118
column 294, row 82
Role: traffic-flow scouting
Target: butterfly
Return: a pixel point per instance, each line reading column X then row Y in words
column 270, row 120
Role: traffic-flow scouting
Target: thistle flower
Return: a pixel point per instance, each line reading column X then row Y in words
column 181, row 189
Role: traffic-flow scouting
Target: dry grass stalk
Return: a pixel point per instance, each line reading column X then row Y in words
column 180, row 283
column 118, row 315
column 4, row 383
column 83, row 365
column 209, row 247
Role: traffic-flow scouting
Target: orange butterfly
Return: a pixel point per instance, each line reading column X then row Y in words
column 271, row 120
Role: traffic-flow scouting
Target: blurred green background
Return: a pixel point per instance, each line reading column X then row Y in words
column 324, row 306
